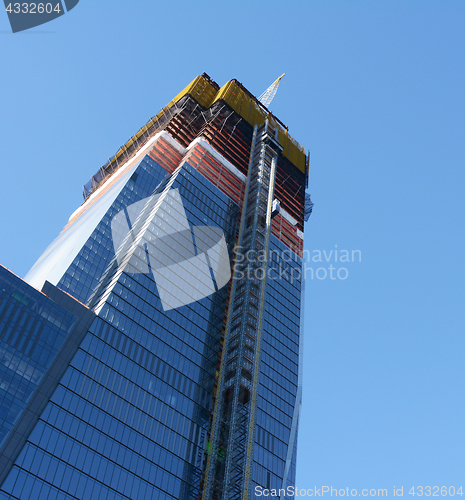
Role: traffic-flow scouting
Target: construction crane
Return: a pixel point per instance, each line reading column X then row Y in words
column 270, row 92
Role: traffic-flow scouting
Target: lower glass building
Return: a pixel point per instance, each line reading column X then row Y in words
column 160, row 358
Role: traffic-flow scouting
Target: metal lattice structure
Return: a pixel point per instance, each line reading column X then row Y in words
column 270, row 92
column 231, row 449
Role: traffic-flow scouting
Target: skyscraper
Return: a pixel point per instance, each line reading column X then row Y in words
column 161, row 357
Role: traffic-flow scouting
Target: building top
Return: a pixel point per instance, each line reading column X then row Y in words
column 206, row 93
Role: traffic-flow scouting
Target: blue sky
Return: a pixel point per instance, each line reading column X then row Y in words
column 375, row 89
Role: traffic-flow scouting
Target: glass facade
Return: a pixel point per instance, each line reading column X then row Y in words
column 135, row 401
column 278, row 382
column 128, row 412
column 32, row 329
